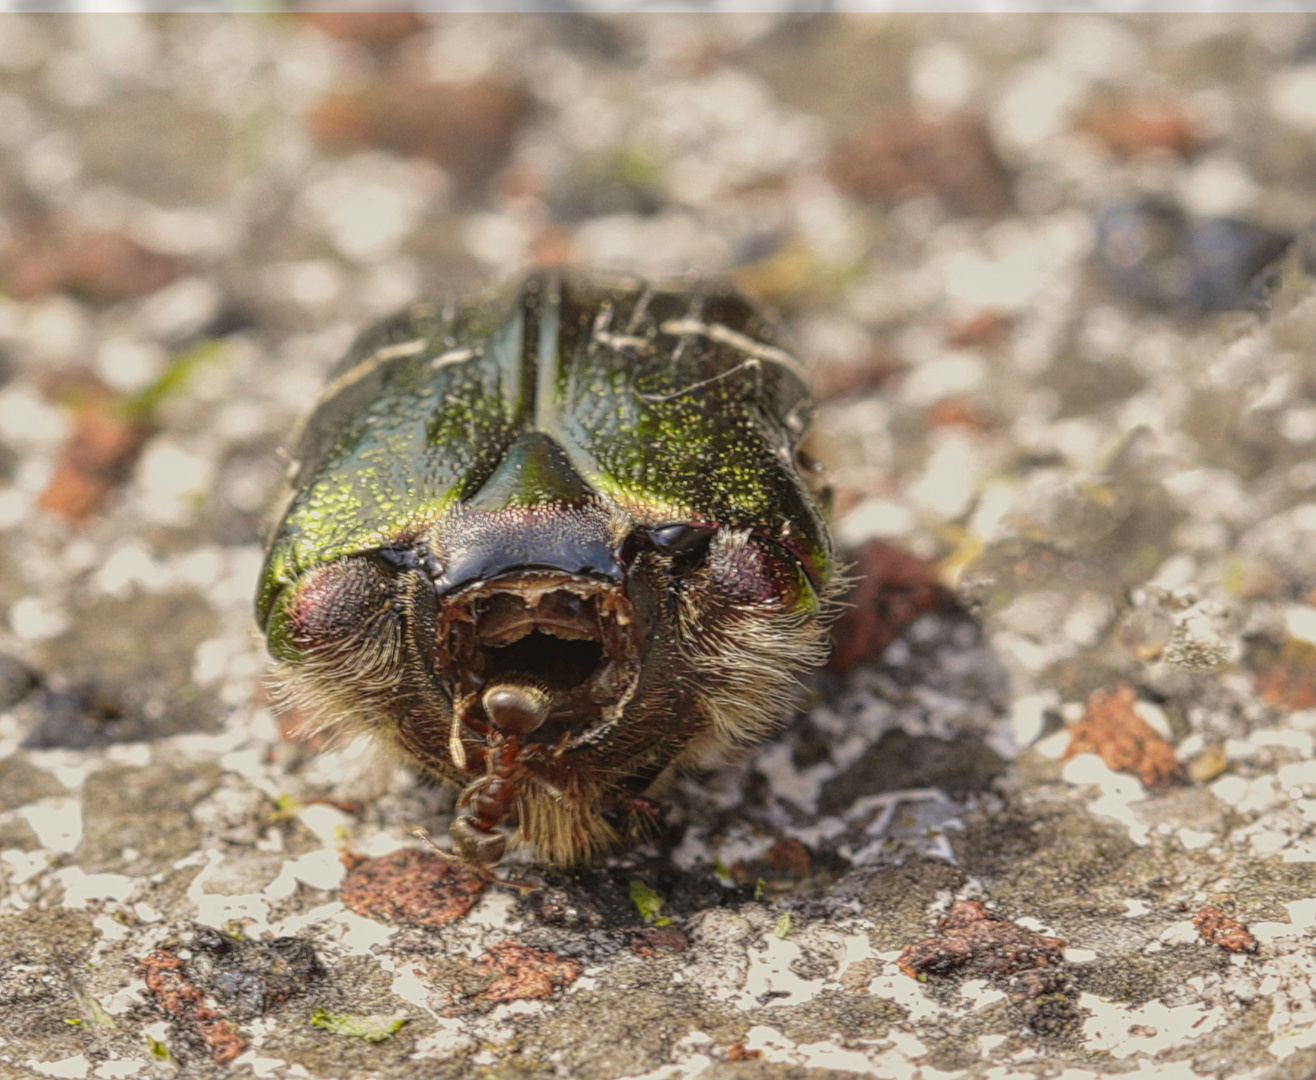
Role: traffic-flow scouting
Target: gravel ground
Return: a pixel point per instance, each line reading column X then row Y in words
column 1052, row 276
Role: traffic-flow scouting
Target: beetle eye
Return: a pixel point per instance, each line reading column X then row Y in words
column 334, row 605
column 685, row 545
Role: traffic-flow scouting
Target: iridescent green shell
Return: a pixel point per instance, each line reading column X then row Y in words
column 674, row 403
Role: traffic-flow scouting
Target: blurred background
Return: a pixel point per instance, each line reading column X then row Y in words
column 999, row 241
column 1052, row 275
column 988, row 234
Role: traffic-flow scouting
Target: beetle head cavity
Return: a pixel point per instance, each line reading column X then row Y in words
column 545, row 654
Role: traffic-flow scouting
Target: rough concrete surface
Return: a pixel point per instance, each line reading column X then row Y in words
column 1052, row 275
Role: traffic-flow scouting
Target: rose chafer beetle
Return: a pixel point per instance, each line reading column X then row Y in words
column 551, row 543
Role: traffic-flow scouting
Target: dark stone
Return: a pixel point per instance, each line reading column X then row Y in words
column 81, row 719
column 897, row 761
column 17, row 680
column 252, row 976
column 1153, row 252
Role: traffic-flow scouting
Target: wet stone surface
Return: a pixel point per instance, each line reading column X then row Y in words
column 1065, row 755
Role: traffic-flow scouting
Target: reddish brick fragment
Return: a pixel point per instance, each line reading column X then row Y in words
column 1112, row 729
column 525, row 973
column 737, row 1051
column 1290, row 681
column 100, row 454
column 778, row 870
column 837, row 379
column 893, row 588
column 552, row 247
column 378, row 30
column 1132, row 126
column 165, row 975
column 789, row 858
column 298, row 726
column 654, row 941
column 466, row 128
column 411, row 887
column 985, row 328
column 98, row 266
column 1217, row 928
column 957, row 412
column 988, row 944
column 347, row 806
column 902, row 153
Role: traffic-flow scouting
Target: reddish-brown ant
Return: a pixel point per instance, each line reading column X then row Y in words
column 513, row 710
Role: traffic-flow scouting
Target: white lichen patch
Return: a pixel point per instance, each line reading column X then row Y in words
column 1125, row 1031
column 1117, row 792
column 73, row 1068
column 776, row 1047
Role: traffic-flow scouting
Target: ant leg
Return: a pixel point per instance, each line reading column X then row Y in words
column 423, row 835
column 482, row 872
column 524, row 886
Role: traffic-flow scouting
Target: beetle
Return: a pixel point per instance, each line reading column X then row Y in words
column 551, row 543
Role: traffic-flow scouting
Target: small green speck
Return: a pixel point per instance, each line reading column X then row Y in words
column 1235, row 576
column 177, row 374
column 158, row 1049
column 92, row 1010
column 784, row 925
column 72, row 1020
column 646, row 901
column 372, row 1029
column 285, row 808
column 921, row 977
column 760, row 888
column 720, row 869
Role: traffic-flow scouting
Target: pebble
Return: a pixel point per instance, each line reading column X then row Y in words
column 1153, row 252
column 17, row 680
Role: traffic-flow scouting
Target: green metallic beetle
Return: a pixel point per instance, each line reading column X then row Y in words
column 550, row 543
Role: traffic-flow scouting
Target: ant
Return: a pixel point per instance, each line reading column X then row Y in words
column 514, row 710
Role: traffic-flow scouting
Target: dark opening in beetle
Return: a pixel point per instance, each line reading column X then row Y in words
column 551, row 543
